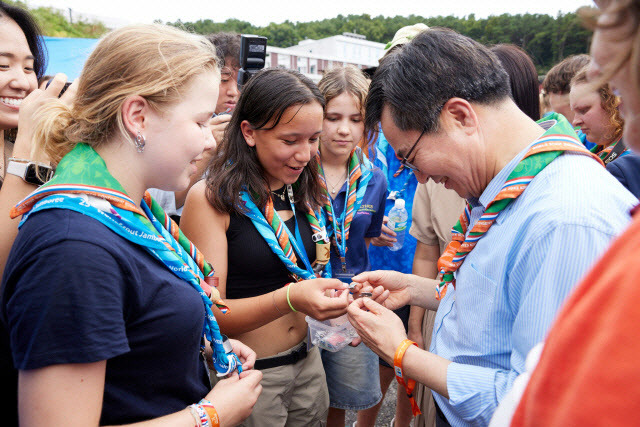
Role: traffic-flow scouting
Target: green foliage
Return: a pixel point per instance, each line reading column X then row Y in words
column 55, row 24
column 546, row 38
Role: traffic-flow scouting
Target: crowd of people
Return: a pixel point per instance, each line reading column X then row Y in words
column 169, row 240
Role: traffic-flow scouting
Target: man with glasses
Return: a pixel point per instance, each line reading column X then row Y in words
column 530, row 230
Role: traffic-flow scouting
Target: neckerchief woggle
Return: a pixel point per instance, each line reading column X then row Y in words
column 559, row 139
column 278, row 236
column 359, row 174
column 82, row 183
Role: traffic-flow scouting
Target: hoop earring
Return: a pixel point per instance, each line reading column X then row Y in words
column 140, row 142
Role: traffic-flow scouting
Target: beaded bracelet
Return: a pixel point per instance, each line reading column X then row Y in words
column 200, row 415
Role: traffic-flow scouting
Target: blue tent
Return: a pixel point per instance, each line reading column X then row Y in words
column 67, row 55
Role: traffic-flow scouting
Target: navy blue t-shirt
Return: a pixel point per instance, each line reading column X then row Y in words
column 367, row 222
column 75, row 292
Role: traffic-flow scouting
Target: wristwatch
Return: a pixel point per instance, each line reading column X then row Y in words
column 30, row 172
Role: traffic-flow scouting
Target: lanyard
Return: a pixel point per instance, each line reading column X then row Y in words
column 297, row 243
column 358, row 176
column 277, row 235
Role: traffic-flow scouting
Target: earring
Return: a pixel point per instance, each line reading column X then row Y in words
column 140, row 142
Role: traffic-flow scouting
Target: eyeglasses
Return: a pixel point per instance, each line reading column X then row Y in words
column 405, row 162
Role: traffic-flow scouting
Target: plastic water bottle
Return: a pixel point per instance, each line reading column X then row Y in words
column 398, row 222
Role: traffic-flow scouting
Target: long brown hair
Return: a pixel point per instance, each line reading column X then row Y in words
column 349, row 80
column 236, row 167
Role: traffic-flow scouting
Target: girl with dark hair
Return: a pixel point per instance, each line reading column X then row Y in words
column 523, row 78
column 257, row 216
column 22, row 62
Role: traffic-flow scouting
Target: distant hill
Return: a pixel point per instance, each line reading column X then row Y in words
column 546, row 38
column 55, row 24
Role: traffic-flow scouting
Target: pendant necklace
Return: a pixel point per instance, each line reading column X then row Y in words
column 339, row 185
column 281, row 196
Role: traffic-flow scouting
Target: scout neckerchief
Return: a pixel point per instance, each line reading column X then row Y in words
column 611, row 152
column 358, row 175
column 560, row 138
column 279, row 238
column 82, row 183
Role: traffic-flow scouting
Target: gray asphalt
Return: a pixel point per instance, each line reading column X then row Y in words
column 387, row 410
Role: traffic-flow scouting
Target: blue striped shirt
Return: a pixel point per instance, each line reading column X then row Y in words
column 511, row 285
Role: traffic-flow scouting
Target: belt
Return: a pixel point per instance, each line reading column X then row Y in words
column 286, row 359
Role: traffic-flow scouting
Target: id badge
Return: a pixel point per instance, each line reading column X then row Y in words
column 344, row 276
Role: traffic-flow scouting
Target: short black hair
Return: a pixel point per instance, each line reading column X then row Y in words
column 31, row 32
column 438, row 64
column 227, row 46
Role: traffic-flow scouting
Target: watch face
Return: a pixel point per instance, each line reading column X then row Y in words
column 37, row 174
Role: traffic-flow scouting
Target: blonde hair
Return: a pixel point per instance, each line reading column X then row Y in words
column 153, row 61
column 349, row 80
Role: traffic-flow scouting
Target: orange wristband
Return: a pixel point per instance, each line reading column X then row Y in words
column 211, row 412
column 410, row 384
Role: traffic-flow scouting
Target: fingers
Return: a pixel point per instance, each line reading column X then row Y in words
column 325, row 284
column 251, row 377
column 70, row 94
column 356, row 342
column 380, row 295
column 387, row 232
column 56, row 85
column 217, row 120
column 245, row 353
column 373, row 277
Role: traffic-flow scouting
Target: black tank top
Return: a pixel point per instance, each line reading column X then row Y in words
column 252, row 267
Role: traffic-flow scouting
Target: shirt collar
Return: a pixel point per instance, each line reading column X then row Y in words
column 499, row 180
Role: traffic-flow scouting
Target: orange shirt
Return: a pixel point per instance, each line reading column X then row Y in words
column 589, row 370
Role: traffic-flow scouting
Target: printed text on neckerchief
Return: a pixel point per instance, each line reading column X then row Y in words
column 560, row 138
column 83, row 183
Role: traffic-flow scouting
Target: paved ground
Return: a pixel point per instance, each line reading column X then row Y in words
column 387, row 410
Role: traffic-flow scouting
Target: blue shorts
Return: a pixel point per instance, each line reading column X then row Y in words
column 353, row 377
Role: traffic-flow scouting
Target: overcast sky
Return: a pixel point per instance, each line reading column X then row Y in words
column 262, row 12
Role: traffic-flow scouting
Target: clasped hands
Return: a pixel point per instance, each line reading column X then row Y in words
column 377, row 325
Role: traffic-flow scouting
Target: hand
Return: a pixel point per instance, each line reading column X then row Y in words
column 234, row 397
column 379, row 328
column 415, row 334
column 29, row 109
column 310, row 297
column 397, row 283
column 217, row 125
column 386, row 237
column 246, row 355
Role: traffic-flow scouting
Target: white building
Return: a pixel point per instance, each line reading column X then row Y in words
column 313, row 57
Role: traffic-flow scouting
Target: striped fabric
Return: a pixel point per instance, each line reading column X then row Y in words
column 511, row 285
